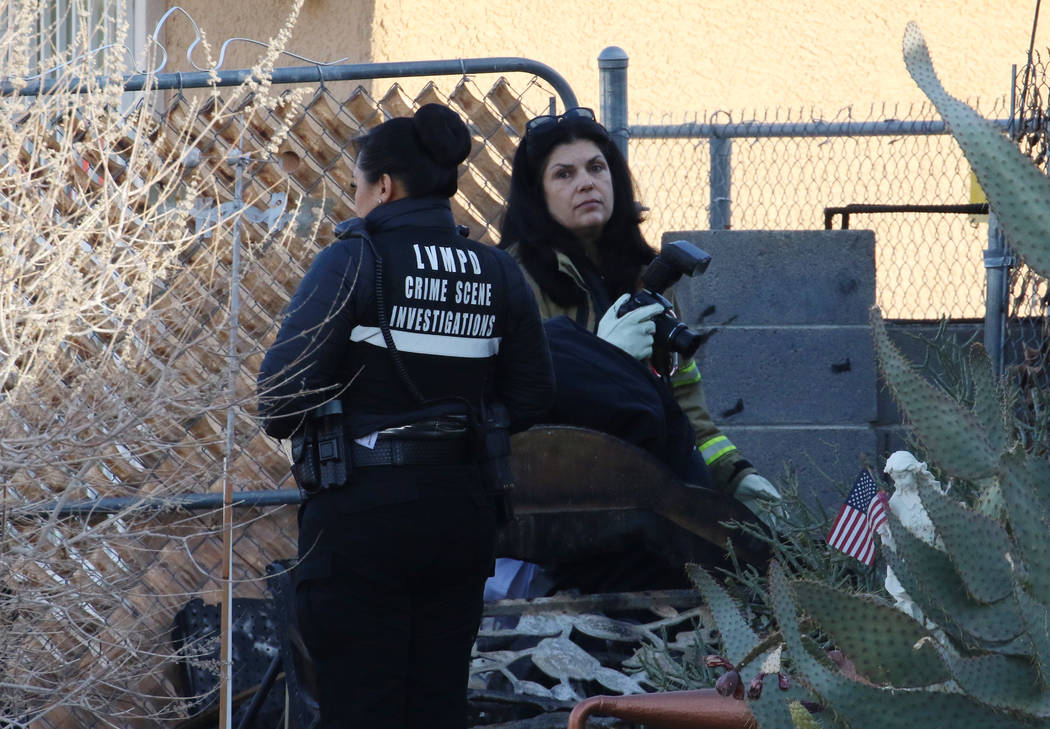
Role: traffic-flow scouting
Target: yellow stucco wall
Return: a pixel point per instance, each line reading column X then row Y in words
column 805, row 59
column 326, row 30
column 690, row 55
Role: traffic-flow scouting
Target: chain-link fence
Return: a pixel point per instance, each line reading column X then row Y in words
column 786, row 170
column 1027, row 327
column 295, row 181
column 118, row 570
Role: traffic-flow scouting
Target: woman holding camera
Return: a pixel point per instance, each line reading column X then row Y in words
column 400, row 335
column 573, row 225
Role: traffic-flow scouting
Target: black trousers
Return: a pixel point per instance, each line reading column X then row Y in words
column 389, row 594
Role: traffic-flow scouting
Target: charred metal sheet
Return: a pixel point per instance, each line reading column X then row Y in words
column 578, row 480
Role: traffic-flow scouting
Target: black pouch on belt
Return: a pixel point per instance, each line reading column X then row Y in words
column 305, row 467
column 320, row 459
column 492, row 433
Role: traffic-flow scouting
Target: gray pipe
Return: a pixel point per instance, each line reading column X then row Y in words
column 310, row 74
column 997, row 263
column 191, row 502
column 612, row 94
column 720, row 179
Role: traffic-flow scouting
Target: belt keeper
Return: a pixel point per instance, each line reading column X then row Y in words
column 397, row 453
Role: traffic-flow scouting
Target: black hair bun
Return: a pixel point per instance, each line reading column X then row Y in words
column 442, row 134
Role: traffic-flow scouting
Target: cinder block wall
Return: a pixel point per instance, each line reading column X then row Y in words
column 789, row 366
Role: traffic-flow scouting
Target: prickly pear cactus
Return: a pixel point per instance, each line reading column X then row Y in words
column 964, row 442
column 985, row 662
column 982, row 658
column 1018, row 192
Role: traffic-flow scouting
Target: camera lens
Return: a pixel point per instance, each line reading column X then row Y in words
column 675, row 336
column 684, row 340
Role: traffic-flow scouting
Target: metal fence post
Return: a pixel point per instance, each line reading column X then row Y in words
column 612, row 94
column 720, row 177
column 997, row 262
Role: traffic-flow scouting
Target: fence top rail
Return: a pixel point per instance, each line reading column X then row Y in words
column 887, row 128
column 308, row 74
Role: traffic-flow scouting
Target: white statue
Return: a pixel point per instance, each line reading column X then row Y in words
column 907, row 473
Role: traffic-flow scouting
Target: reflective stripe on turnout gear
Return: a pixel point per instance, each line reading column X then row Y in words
column 438, row 344
column 688, row 375
column 715, row 448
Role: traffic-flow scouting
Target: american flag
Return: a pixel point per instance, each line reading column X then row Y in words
column 864, row 511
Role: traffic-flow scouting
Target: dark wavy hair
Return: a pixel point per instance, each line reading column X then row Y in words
column 527, row 222
column 422, row 152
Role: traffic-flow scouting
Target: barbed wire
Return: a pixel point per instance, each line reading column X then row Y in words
column 153, row 40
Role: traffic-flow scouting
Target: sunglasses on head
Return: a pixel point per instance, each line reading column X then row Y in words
column 547, row 122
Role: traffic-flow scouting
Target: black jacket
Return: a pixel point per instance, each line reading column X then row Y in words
column 462, row 317
column 601, row 387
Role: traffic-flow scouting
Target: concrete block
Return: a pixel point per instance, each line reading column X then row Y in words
column 818, row 375
column 791, row 343
column 780, row 277
column 825, row 460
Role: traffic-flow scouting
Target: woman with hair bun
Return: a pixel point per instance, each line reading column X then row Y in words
column 401, row 341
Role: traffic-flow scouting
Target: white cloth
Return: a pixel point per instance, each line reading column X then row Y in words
column 511, row 579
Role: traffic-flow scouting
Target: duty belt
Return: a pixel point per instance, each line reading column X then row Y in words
column 422, row 444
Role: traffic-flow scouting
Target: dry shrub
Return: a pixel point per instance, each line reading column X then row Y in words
column 117, row 375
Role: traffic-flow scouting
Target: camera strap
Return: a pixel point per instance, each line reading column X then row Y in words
column 597, row 293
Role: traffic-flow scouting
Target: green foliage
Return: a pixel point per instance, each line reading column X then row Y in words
column 738, row 639
column 744, row 648
column 886, row 652
column 739, row 604
column 952, row 434
column 860, row 704
column 670, row 666
column 800, row 716
column 1017, row 190
column 980, row 655
column 978, row 545
column 800, row 546
column 1029, row 511
column 931, row 581
column 960, row 367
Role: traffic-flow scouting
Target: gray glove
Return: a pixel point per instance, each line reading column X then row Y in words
column 632, row 332
column 760, row 497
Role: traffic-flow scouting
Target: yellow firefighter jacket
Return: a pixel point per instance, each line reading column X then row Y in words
column 726, row 464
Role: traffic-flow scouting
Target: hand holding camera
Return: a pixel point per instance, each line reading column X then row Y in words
column 633, row 331
column 676, row 259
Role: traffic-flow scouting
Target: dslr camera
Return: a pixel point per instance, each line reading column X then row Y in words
column 675, row 259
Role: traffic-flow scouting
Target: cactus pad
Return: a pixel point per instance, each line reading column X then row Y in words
column 952, row 435
column 1017, row 191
